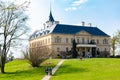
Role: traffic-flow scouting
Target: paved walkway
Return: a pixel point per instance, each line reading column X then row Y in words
column 47, row 77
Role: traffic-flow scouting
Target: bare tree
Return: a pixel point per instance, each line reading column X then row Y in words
column 25, row 53
column 12, row 27
column 38, row 55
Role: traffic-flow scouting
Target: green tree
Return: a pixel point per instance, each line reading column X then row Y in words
column 118, row 37
column 74, row 51
column 113, row 44
column 115, row 40
column 12, row 27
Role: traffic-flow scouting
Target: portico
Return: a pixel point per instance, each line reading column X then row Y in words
column 88, row 50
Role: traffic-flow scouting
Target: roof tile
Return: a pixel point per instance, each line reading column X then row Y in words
column 73, row 29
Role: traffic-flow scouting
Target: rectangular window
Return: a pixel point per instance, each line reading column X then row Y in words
column 88, row 40
column 57, row 39
column 49, row 40
column 83, row 40
column 37, row 44
column 58, row 49
column 67, row 49
column 46, row 41
column 71, row 40
column 105, row 41
column 77, row 40
column 42, row 42
column 97, row 41
column 66, row 40
column 33, row 44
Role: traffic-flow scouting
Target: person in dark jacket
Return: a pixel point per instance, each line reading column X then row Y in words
column 46, row 70
column 50, row 70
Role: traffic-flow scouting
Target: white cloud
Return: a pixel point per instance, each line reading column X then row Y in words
column 79, row 2
column 70, row 9
column 76, row 5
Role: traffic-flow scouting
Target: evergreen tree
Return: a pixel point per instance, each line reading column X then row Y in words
column 74, row 51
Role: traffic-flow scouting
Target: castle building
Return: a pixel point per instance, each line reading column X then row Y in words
column 58, row 37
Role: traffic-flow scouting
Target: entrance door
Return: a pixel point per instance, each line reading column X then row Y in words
column 93, row 52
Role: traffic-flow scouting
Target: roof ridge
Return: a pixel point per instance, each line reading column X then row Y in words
column 77, row 25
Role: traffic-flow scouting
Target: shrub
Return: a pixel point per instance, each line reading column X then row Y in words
column 65, row 55
column 117, row 56
column 38, row 55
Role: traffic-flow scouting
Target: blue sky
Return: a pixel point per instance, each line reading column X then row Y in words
column 104, row 14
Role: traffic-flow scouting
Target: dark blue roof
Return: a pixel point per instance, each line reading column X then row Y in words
column 73, row 29
column 51, row 17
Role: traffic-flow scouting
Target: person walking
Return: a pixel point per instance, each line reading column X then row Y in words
column 50, row 70
column 46, row 70
column 80, row 54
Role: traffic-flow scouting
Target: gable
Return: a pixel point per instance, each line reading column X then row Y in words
column 83, row 32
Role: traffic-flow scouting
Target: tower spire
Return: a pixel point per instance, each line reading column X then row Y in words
column 50, row 16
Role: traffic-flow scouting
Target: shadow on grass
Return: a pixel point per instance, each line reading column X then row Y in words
column 24, row 74
column 38, row 70
column 29, row 71
column 67, row 69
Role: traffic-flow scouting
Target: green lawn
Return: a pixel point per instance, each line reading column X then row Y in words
column 71, row 69
column 21, row 70
column 89, row 69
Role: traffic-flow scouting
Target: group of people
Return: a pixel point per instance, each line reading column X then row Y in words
column 48, row 70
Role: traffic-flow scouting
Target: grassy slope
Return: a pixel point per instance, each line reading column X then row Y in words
column 21, row 70
column 89, row 69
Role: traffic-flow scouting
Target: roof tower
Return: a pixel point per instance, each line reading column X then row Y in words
column 51, row 16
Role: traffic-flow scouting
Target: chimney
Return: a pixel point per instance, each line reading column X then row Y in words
column 83, row 23
column 89, row 24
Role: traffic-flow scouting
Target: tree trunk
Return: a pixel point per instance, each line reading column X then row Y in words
column 2, row 68
column 113, row 53
column 3, row 60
